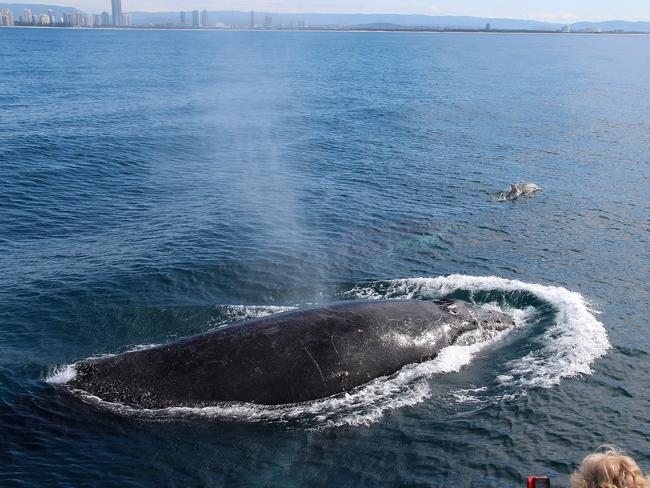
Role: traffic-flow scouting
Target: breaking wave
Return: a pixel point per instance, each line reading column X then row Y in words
column 571, row 339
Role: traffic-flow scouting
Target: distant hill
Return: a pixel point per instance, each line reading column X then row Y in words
column 387, row 21
column 37, row 8
column 382, row 26
column 613, row 25
column 351, row 20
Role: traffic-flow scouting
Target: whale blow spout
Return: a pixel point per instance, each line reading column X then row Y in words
column 285, row 358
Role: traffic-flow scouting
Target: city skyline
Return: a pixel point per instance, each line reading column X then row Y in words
column 565, row 11
column 29, row 16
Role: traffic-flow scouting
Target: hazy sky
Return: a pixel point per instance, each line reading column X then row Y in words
column 552, row 10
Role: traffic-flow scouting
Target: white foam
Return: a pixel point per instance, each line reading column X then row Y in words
column 62, row 374
column 469, row 395
column 142, row 347
column 236, row 313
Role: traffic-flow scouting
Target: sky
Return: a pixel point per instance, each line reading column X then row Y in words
column 548, row 10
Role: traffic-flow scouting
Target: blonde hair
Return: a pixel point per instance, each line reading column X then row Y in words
column 609, row 469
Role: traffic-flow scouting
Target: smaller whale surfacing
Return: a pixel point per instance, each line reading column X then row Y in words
column 286, row 358
column 519, row 190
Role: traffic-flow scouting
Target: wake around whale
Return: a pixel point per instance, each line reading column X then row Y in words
column 286, row 358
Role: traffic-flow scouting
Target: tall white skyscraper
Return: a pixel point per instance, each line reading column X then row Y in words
column 117, row 11
column 28, row 18
column 6, row 17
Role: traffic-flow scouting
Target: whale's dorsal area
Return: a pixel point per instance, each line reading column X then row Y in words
column 286, row 358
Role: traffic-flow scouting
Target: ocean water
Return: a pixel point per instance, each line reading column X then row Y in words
column 157, row 184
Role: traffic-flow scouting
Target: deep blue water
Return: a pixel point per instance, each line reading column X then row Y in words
column 158, row 184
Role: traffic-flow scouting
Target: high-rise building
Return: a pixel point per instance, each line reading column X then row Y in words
column 97, row 20
column 28, row 18
column 104, row 19
column 117, row 11
column 43, row 19
column 183, row 18
column 50, row 14
column 195, row 18
column 79, row 19
column 68, row 19
column 252, row 23
column 488, row 27
column 204, row 18
column 126, row 20
column 6, row 17
column 268, row 22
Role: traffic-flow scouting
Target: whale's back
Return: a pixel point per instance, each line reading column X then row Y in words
column 285, row 358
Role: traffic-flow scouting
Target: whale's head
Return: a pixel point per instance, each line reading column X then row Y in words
column 487, row 318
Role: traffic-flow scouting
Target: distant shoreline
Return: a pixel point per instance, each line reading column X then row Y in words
column 312, row 30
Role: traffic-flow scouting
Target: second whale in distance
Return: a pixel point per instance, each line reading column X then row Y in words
column 285, row 358
column 519, row 190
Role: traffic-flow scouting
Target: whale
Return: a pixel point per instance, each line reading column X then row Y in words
column 519, row 190
column 286, row 358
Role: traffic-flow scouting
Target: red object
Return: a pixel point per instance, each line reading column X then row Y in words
column 539, row 482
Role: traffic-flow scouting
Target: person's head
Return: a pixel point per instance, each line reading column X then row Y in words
column 609, row 469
